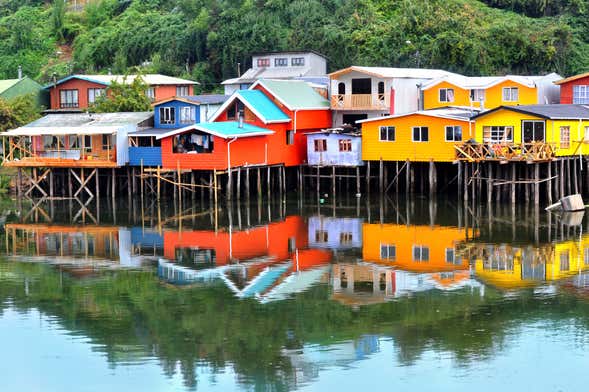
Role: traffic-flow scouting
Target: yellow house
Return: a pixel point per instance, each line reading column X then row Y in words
column 419, row 136
column 563, row 127
column 414, row 248
column 491, row 91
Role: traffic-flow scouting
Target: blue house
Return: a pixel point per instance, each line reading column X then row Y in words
column 334, row 147
column 170, row 114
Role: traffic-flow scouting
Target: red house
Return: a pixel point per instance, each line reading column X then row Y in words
column 574, row 89
column 79, row 91
column 264, row 125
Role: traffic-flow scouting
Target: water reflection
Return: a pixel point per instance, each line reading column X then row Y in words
column 280, row 297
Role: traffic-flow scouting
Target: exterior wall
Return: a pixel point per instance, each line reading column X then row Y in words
column 73, row 84
column 494, row 95
column 96, row 153
column 436, row 238
column 168, row 91
column 566, row 89
column 338, row 116
column 407, row 95
column 148, row 156
column 335, row 233
column 207, row 111
column 403, row 148
column 317, row 65
column 333, row 156
column 177, row 105
column 548, row 92
column 431, row 97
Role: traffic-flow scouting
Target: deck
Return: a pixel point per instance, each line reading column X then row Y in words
column 505, row 152
column 59, row 162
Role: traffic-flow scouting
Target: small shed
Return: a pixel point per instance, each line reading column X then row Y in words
column 335, row 147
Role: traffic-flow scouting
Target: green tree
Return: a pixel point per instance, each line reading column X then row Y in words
column 124, row 97
column 17, row 112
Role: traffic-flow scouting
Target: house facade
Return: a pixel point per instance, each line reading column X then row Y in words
column 574, row 89
column 419, row 136
column 78, row 92
column 334, row 147
column 359, row 93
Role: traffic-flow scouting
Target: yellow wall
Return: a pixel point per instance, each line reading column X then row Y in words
column 403, row 147
column 436, row 238
column 493, row 96
column 505, row 117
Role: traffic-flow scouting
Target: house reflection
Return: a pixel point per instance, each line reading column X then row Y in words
column 335, row 233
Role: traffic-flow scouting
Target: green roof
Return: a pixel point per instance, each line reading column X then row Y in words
column 7, row 83
column 295, row 94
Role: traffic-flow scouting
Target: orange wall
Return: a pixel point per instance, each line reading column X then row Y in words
column 437, row 238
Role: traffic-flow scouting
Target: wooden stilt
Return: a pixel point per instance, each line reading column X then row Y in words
column 568, row 175
column 489, row 183
column 268, row 183
column 466, row 167
column 357, row 180
column 368, row 177
column 51, row 185
column 536, row 184
column 459, row 179
column 432, row 177
column 19, row 183
column 69, row 182
column 238, row 187
column 549, row 184
column 333, row 182
column 259, row 183
column 247, row 187
column 215, row 189
column 407, row 177
column 159, row 182
column 114, row 185
column 397, row 177
column 575, row 178
column 193, row 187
column 380, row 177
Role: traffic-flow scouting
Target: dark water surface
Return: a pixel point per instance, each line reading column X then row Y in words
column 293, row 296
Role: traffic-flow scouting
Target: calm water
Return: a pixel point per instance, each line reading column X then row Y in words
column 293, row 296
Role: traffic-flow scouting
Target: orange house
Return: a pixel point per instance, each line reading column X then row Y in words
column 80, row 91
column 264, row 125
column 414, row 248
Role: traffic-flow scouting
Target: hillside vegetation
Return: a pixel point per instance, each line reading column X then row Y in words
column 205, row 39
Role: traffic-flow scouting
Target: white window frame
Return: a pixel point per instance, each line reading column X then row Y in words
column 150, row 93
column 69, row 98
column 476, row 94
column 94, row 93
column 387, row 129
column 498, row 130
column 387, row 254
column 182, row 91
column 510, row 94
column 454, row 128
column 565, row 143
column 281, row 62
column 187, row 115
column 167, row 115
column 297, row 62
column 421, row 133
column 423, row 251
column 581, row 94
column 447, row 98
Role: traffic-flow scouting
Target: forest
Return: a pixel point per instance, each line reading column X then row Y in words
column 204, row 40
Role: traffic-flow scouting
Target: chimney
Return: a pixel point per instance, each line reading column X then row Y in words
column 240, row 119
column 19, row 72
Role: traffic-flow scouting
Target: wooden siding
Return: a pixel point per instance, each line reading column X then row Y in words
column 403, row 147
column 146, row 156
column 333, row 156
column 566, row 89
column 177, row 105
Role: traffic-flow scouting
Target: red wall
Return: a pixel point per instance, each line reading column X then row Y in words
column 566, row 89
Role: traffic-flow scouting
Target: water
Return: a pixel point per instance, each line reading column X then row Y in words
column 293, row 296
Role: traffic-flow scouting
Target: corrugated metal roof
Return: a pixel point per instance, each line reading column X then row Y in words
column 262, row 106
column 552, row 112
column 150, row 132
column 150, row 79
column 56, row 120
column 572, row 78
column 484, row 82
column 253, row 74
column 222, row 129
column 7, row 83
column 386, row 72
column 295, row 94
column 454, row 113
column 208, row 98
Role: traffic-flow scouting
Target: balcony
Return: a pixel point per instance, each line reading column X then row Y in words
column 505, row 152
column 360, row 102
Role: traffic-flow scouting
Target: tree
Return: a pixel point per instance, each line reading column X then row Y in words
column 17, row 112
column 124, row 97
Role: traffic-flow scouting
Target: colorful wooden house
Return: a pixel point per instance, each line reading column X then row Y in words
column 71, row 140
column 264, row 125
column 540, row 130
column 78, row 92
column 359, row 93
column 414, row 248
column 574, row 89
column 419, row 136
column 170, row 114
column 335, row 147
column 489, row 92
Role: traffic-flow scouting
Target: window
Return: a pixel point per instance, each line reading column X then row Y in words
column 341, row 88
column 297, row 61
column 388, row 252
column 68, row 99
column 187, row 115
column 320, row 145
column 290, row 137
column 581, row 94
column 496, row 134
column 345, row 145
column 565, row 137
column 54, row 142
column 586, row 256
column 193, row 143
column 94, row 94
column 477, row 95
column 82, row 142
column 108, row 142
column 321, row 236
column 281, row 62
column 446, row 94
column 451, row 257
column 420, row 253
column 564, row 261
column 182, row 91
column 586, row 138
column 231, row 112
column 387, row 134
column 532, row 131
column 453, row 133
column 167, row 115
column 265, row 62
column 510, row 94
column 420, row 134
column 345, row 237
column 150, row 93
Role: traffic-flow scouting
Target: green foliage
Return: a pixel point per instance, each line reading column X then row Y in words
column 18, row 111
column 122, row 97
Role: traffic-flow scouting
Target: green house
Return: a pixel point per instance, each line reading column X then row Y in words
column 12, row 88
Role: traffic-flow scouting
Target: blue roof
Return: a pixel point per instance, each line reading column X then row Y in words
column 222, row 129
column 262, row 106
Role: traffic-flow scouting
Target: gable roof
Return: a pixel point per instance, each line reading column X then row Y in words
column 7, row 83
column 572, row 78
column 482, row 82
column 258, row 103
column 450, row 113
column 150, row 79
column 294, row 94
column 222, row 129
column 550, row 112
column 387, row 72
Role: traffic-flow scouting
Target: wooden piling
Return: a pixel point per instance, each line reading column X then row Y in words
column 513, row 169
column 368, row 177
column 238, row 187
column 114, row 185
column 549, row 184
column 247, row 185
column 536, row 184
column 229, row 190
column 333, row 182
column 259, row 183
column 357, row 180
column 489, row 183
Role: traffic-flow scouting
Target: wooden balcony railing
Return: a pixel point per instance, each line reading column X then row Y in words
column 360, row 101
column 528, row 152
